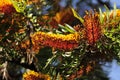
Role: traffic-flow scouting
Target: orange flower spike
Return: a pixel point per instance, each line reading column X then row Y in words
column 92, row 27
column 6, row 7
column 59, row 41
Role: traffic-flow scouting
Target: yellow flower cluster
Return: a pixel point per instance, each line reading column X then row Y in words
column 32, row 75
column 69, row 37
column 117, row 12
column 59, row 41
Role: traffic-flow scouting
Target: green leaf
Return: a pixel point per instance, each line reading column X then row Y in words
column 114, row 11
column 66, row 28
column 101, row 16
column 107, row 12
column 70, row 28
column 43, row 56
column 77, row 15
column 19, row 6
column 61, row 26
column 49, row 61
column 63, row 30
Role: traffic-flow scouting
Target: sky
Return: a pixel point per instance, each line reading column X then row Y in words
column 117, row 2
column 112, row 70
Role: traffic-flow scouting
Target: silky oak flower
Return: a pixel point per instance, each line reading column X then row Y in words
column 57, row 41
column 92, row 27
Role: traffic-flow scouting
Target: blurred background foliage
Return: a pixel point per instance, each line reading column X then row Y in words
column 20, row 22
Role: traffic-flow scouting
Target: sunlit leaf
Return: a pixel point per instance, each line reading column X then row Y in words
column 72, row 29
column 67, row 28
column 101, row 16
column 107, row 12
column 114, row 13
column 19, row 5
column 77, row 15
column 49, row 61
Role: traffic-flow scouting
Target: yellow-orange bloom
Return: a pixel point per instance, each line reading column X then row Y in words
column 114, row 12
column 112, row 19
column 62, row 17
column 118, row 12
column 57, row 41
column 5, row 2
column 6, row 7
column 32, row 75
